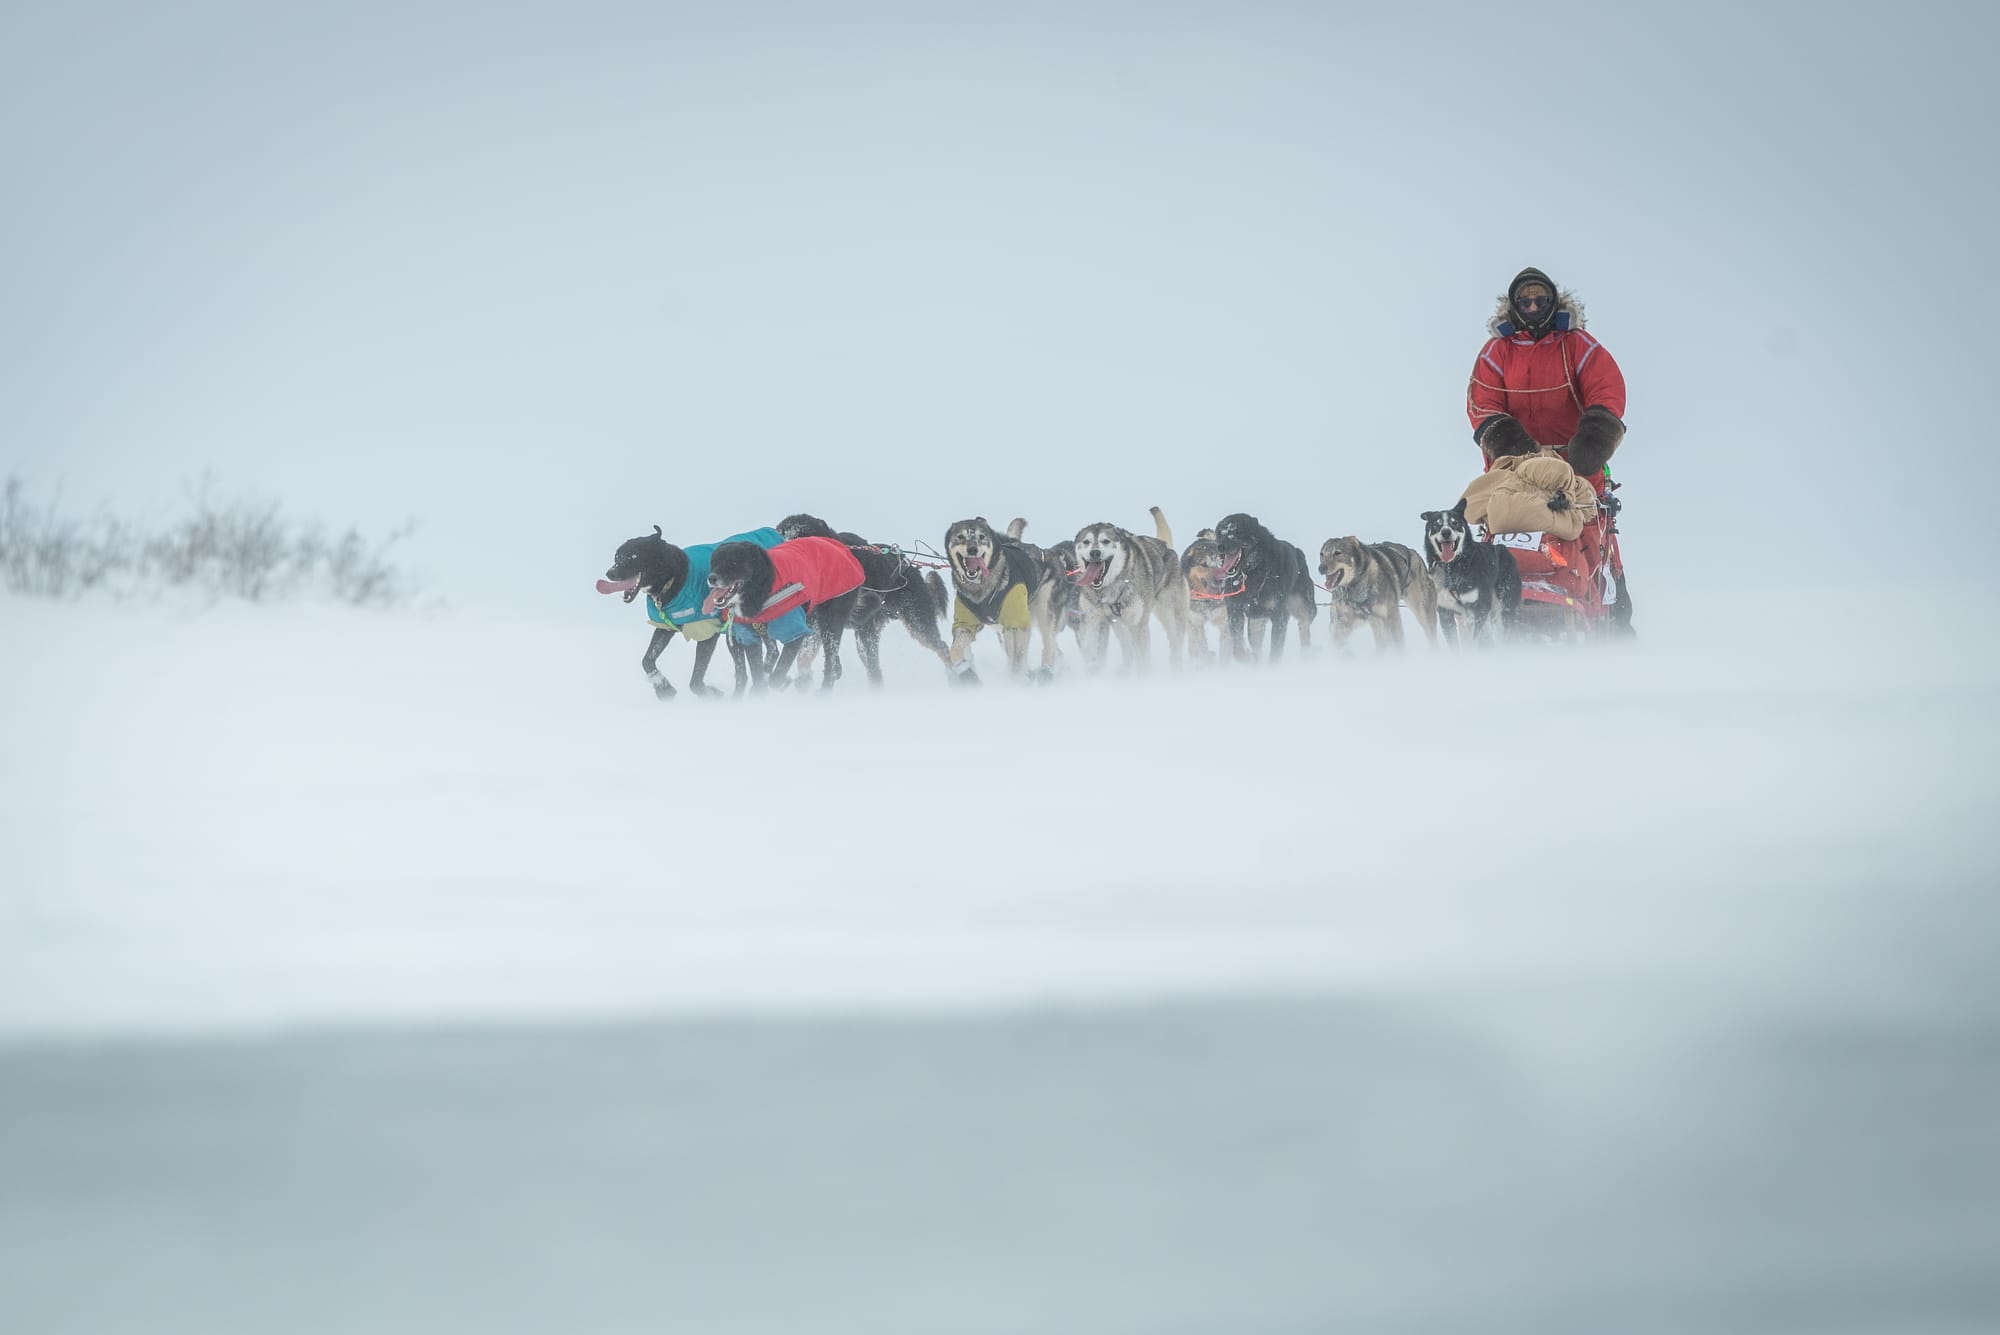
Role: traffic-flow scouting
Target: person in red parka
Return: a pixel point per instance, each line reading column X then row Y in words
column 1542, row 382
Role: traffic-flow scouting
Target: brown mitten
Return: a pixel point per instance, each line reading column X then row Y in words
column 1502, row 435
column 1596, row 440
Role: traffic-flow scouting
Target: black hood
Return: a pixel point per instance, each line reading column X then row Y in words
column 1521, row 280
column 1568, row 313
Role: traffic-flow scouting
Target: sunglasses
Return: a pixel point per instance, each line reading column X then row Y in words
column 1538, row 301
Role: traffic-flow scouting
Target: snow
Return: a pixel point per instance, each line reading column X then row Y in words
column 234, row 818
column 374, row 972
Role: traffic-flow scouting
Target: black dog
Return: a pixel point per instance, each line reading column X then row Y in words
column 1277, row 585
column 896, row 589
column 1476, row 581
column 661, row 572
column 741, row 577
column 1061, row 571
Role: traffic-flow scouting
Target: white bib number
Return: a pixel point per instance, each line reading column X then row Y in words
column 1520, row 542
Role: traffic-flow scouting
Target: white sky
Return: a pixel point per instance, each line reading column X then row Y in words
column 540, row 276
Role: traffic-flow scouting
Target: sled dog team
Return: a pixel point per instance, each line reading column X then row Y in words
column 781, row 596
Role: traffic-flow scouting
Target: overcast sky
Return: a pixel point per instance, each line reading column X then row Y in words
column 542, row 275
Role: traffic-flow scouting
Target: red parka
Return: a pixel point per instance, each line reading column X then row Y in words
column 1544, row 383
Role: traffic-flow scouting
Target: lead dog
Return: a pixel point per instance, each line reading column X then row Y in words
column 1477, row 582
column 1367, row 580
column 675, row 581
column 1277, row 586
column 1123, row 581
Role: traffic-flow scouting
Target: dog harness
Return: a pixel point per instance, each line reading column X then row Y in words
column 791, row 626
column 1008, row 605
column 1009, row 608
column 683, row 611
column 1364, row 605
column 1206, row 595
column 1118, row 603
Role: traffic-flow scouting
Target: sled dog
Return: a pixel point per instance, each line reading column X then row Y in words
column 999, row 581
column 1212, row 580
column 896, row 589
column 1478, row 585
column 1367, row 580
column 1058, row 573
column 1277, row 587
column 1123, row 581
column 776, row 590
column 674, row 581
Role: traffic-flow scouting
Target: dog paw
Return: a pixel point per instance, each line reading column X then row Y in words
column 1042, row 677
column 966, row 678
column 662, row 691
column 706, row 692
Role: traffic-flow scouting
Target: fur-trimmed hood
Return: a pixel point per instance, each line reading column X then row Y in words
column 1569, row 315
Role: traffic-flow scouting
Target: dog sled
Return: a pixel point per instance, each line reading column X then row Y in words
column 1572, row 588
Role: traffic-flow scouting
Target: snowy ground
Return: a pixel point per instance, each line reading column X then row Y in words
column 366, row 972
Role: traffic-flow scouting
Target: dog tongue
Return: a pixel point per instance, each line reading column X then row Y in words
column 1447, row 551
column 1093, row 571
column 618, row 586
column 713, row 601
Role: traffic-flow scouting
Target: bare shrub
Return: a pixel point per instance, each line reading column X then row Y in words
column 243, row 548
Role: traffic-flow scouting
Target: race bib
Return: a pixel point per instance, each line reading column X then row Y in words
column 1520, row 542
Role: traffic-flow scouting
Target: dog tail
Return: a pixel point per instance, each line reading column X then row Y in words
column 1165, row 533
column 939, row 594
column 1015, row 528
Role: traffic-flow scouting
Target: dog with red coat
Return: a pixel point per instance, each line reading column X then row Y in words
column 759, row 588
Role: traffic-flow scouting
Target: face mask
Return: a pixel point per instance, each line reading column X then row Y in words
column 1534, row 308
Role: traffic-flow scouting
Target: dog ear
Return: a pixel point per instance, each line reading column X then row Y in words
column 1458, row 511
column 1428, row 515
column 657, row 533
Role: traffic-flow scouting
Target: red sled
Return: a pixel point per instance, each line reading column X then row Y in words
column 1573, row 588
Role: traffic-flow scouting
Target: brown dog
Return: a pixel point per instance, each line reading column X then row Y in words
column 1367, row 580
column 1212, row 579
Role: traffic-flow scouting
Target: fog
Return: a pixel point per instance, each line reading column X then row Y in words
column 416, row 970
column 314, row 815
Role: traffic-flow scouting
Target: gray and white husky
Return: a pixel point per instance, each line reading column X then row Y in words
column 1123, row 581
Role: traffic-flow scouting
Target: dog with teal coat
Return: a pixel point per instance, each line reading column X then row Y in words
column 675, row 582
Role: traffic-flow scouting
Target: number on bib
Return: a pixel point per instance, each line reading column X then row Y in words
column 1520, row 542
